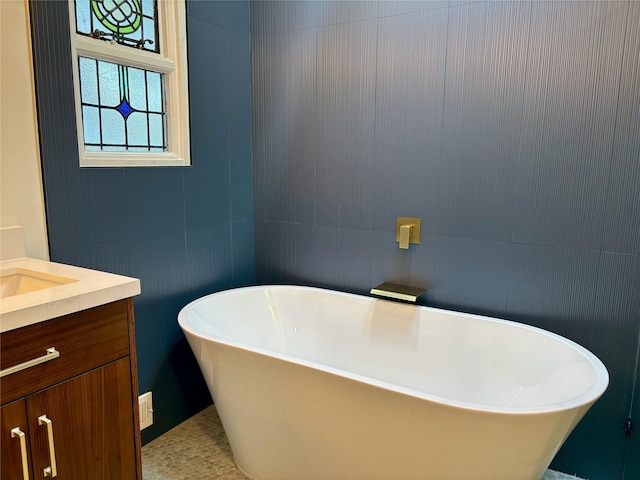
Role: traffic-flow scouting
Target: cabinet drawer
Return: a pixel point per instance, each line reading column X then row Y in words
column 85, row 340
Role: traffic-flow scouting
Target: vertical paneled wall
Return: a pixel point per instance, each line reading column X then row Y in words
column 511, row 128
column 183, row 232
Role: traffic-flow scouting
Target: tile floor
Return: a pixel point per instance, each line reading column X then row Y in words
column 197, row 449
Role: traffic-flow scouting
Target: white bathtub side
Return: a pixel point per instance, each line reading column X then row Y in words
column 287, row 421
column 458, row 359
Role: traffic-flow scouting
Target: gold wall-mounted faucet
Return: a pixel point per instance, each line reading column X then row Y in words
column 407, row 231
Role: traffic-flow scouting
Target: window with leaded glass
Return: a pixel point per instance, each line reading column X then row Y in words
column 128, row 22
column 130, row 82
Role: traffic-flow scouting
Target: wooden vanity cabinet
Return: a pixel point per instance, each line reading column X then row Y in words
column 89, row 394
column 13, row 416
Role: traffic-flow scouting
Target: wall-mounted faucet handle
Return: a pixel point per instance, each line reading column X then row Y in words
column 407, row 231
column 405, row 235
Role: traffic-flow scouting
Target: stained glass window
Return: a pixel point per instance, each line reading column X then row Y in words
column 128, row 22
column 130, row 82
column 122, row 107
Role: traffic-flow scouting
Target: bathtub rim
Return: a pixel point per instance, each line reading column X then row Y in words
column 585, row 399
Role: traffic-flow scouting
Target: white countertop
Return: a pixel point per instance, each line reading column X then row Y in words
column 92, row 288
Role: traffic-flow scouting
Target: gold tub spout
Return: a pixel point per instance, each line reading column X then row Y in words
column 398, row 292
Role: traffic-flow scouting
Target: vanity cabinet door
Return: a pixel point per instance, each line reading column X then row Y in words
column 14, row 442
column 91, row 426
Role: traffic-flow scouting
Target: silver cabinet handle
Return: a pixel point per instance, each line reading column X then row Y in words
column 52, row 470
column 16, row 432
column 50, row 355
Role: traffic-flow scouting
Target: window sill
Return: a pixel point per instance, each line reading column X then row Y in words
column 130, row 159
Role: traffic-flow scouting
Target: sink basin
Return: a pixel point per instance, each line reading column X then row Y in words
column 17, row 281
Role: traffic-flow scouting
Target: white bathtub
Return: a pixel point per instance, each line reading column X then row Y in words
column 317, row 384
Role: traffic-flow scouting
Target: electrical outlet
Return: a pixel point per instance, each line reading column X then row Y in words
column 145, row 402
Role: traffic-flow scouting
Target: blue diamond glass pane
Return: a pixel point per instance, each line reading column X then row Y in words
column 124, row 108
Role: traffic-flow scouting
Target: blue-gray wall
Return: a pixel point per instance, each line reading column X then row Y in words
column 183, row 232
column 511, row 128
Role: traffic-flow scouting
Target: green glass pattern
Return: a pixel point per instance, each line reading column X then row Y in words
column 133, row 23
column 119, row 16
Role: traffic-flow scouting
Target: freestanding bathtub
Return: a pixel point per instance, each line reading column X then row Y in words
column 317, row 384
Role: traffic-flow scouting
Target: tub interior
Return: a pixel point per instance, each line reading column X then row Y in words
column 467, row 360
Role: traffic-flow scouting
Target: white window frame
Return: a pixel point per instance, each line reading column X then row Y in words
column 171, row 62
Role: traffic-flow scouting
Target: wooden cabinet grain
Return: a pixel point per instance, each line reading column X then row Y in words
column 13, row 422
column 89, row 394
